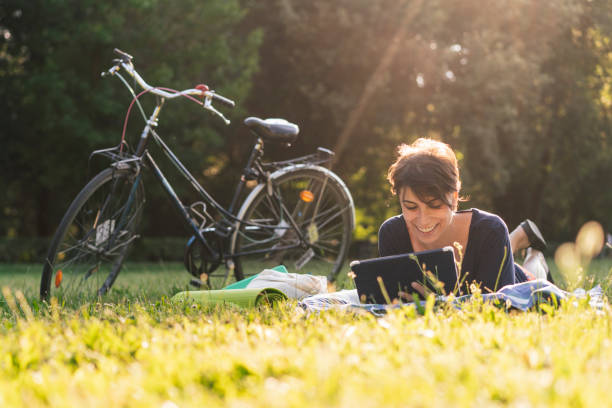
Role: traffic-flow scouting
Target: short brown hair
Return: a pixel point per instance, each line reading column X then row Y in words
column 428, row 167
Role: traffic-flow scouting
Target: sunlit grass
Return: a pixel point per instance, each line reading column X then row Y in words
column 136, row 353
column 150, row 280
column 136, row 348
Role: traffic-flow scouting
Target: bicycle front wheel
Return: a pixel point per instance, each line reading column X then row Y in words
column 88, row 249
column 308, row 197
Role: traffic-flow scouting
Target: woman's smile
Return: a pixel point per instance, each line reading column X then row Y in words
column 426, row 230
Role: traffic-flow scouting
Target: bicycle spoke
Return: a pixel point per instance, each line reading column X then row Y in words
column 318, row 245
column 272, row 207
column 330, row 219
column 324, row 220
column 94, row 237
column 315, row 217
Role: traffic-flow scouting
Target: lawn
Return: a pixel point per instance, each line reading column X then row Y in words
column 150, row 281
column 141, row 350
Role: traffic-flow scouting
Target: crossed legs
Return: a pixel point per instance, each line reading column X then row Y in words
column 527, row 236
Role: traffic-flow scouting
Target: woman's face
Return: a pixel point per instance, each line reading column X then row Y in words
column 427, row 220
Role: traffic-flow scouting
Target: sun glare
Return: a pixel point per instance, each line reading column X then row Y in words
column 420, row 80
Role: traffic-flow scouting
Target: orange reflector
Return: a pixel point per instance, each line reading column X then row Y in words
column 58, row 278
column 306, row 196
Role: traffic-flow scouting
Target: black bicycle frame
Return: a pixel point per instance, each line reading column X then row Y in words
column 229, row 218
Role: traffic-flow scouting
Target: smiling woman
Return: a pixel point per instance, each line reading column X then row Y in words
column 425, row 177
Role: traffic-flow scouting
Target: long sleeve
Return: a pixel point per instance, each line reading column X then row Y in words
column 494, row 266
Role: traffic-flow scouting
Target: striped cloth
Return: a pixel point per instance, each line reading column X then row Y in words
column 521, row 296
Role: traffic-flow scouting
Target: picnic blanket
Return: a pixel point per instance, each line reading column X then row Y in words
column 521, row 296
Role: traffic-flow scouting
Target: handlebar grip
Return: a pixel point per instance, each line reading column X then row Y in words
column 225, row 101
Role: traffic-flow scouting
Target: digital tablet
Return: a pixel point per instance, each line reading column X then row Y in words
column 395, row 274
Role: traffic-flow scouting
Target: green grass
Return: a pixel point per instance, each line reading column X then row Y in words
column 155, row 280
column 141, row 350
column 599, row 272
column 150, row 281
column 137, row 279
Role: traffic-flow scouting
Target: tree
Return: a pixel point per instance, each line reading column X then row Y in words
column 490, row 79
column 56, row 108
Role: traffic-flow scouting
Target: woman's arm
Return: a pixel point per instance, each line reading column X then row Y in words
column 495, row 264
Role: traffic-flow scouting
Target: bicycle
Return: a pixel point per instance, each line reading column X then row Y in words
column 299, row 211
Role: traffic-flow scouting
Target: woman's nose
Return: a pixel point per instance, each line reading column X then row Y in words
column 422, row 214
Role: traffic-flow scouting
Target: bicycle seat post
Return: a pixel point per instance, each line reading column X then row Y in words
column 249, row 172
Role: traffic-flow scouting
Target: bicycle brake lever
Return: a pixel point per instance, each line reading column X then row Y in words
column 226, row 120
column 208, row 105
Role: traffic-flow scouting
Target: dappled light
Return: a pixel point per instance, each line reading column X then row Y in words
column 569, row 263
column 590, row 239
column 573, row 258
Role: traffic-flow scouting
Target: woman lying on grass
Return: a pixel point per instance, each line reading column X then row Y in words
column 425, row 177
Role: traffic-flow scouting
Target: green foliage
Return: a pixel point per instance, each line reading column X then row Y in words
column 57, row 108
column 520, row 89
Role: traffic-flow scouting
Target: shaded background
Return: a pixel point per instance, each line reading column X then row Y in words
column 520, row 89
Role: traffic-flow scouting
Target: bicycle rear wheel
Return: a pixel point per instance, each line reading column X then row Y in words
column 88, row 249
column 310, row 197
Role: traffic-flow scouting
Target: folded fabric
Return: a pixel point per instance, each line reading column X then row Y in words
column 267, row 287
column 242, row 284
column 293, row 285
column 239, row 297
column 521, row 296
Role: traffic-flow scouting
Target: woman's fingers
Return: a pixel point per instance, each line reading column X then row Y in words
column 419, row 288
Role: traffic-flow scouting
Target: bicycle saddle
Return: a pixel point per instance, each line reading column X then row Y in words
column 275, row 130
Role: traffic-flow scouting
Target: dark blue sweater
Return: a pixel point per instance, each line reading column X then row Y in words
column 488, row 240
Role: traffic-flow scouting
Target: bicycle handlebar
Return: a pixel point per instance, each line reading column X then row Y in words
column 125, row 61
column 222, row 99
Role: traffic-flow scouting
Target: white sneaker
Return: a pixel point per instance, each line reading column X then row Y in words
column 536, row 263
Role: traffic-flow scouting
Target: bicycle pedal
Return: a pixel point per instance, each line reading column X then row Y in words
column 196, row 282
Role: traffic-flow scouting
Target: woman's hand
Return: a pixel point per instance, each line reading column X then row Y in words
column 423, row 291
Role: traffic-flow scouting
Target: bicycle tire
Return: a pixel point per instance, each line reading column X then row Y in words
column 91, row 242
column 330, row 206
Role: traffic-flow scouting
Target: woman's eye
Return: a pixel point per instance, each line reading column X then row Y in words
column 435, row 205
column 411, row 208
